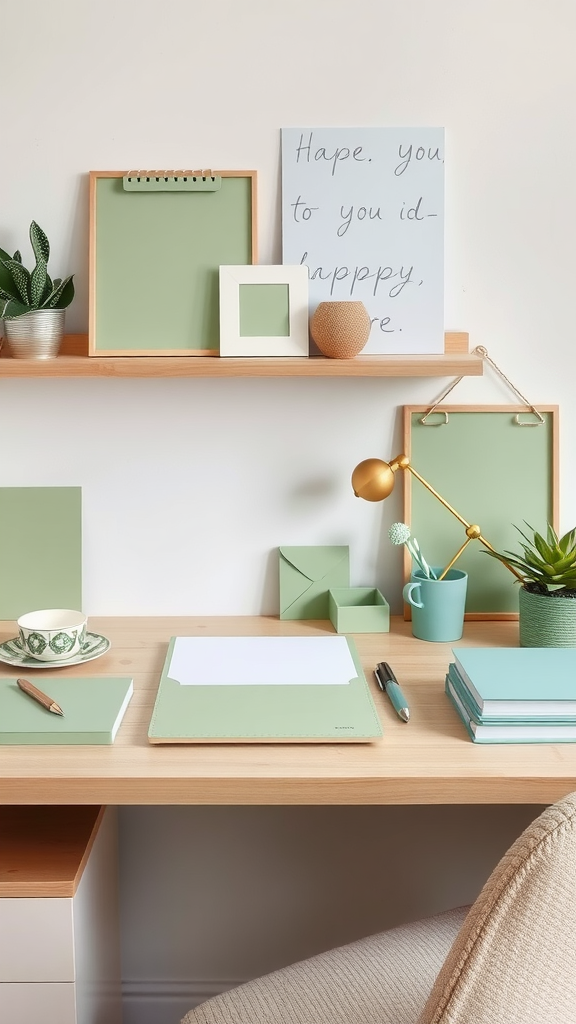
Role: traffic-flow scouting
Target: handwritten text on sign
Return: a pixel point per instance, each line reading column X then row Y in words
column 363, row 209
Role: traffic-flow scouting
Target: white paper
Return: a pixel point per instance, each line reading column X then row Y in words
column 261, row 661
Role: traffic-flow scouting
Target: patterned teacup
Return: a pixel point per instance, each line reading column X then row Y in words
column 52, row 634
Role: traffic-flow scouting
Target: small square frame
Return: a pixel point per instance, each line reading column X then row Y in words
column 232, row 343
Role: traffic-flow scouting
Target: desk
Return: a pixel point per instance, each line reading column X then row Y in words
column 429, row 761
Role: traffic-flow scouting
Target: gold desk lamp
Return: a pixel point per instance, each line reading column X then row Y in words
column 373, row 480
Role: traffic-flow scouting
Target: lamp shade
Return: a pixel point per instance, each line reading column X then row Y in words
column 373, row 480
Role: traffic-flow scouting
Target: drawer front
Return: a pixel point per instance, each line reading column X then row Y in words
column 22, row 1004
column 36, row 940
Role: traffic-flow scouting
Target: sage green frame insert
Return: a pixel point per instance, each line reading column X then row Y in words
column 233, row 342
column 494, row 473
column 40, row 549
column 154, row 259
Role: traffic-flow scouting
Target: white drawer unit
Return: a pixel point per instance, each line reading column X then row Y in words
column 59, row 933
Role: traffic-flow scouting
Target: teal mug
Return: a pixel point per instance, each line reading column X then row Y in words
column 437, row 605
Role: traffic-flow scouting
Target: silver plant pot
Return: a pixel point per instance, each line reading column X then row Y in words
column 36, row 335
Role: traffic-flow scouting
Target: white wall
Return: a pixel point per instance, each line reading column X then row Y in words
column 190, row 485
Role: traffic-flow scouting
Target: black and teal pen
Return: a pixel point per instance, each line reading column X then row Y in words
column 389, row 684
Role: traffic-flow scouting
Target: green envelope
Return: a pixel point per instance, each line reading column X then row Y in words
column 306, row 576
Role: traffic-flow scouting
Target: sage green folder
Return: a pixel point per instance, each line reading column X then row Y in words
column 40, row 549
column 274, row 713
column 93, row 710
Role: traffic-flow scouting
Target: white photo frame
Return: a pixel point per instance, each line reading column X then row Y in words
column 235, row 343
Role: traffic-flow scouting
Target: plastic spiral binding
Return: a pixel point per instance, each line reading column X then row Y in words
column 171, row 181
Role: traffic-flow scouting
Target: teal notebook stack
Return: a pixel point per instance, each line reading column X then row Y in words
column 515, row 694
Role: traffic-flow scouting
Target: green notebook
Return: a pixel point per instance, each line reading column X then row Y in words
column 93, row 710
column 265, row 704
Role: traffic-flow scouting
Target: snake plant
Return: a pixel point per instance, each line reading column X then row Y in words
column 546, row 565
column 23, row 291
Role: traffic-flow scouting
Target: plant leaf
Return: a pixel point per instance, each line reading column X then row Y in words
column 48, row 287
column 41, row 248
column 17, row 256
column 544, row 549
column 11, row 309
column 552, row 535
column 38, row 283
column 568, row 562
column 508, row 559
column 529, row 540
column 21, row 278
column 61, row 296
column 6, row 279
column 40, row 243
column 568, row 541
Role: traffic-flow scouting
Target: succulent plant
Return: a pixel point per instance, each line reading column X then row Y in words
column 548, row 565
column 22, row 291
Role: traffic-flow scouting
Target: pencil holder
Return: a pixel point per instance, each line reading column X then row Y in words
column 437, row 605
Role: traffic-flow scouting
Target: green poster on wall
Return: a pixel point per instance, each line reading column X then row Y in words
column 40, row 549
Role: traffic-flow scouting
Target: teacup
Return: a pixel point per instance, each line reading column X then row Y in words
column 52, row 634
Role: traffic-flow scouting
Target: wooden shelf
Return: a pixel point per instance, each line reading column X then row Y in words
column 74, row 362
column 43, row 850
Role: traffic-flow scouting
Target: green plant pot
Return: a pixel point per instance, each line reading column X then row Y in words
column 546, row 621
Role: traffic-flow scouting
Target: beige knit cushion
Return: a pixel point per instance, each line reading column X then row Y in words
column 514, row 961
column 384, row 979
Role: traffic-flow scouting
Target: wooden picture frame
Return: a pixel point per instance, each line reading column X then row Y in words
column 495, row 473
column 157, row 240
column 288, row 340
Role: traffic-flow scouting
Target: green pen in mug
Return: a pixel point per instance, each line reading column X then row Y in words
column 437, row 605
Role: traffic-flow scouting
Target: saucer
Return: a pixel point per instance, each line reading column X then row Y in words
column 94, row 646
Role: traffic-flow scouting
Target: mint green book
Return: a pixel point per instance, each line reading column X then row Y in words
column 510, row 681
column 93, row 710
column 495, row 719
column 509, row 733
column 264, row 704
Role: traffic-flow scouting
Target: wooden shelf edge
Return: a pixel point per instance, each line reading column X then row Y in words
column 456, row 361
column 43, row 851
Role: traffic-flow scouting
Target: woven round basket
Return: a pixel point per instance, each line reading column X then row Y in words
column 546, row 621
column 340, row 329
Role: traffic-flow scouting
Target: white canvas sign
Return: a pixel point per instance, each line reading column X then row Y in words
column 363, row 209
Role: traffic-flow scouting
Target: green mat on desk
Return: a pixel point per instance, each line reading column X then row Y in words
column 265, row 713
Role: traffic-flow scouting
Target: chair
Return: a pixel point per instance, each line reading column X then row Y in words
column 508, row 959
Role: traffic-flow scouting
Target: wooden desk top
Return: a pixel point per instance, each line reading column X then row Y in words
column 428, row 761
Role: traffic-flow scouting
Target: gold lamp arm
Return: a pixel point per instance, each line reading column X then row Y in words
column 473, row 531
